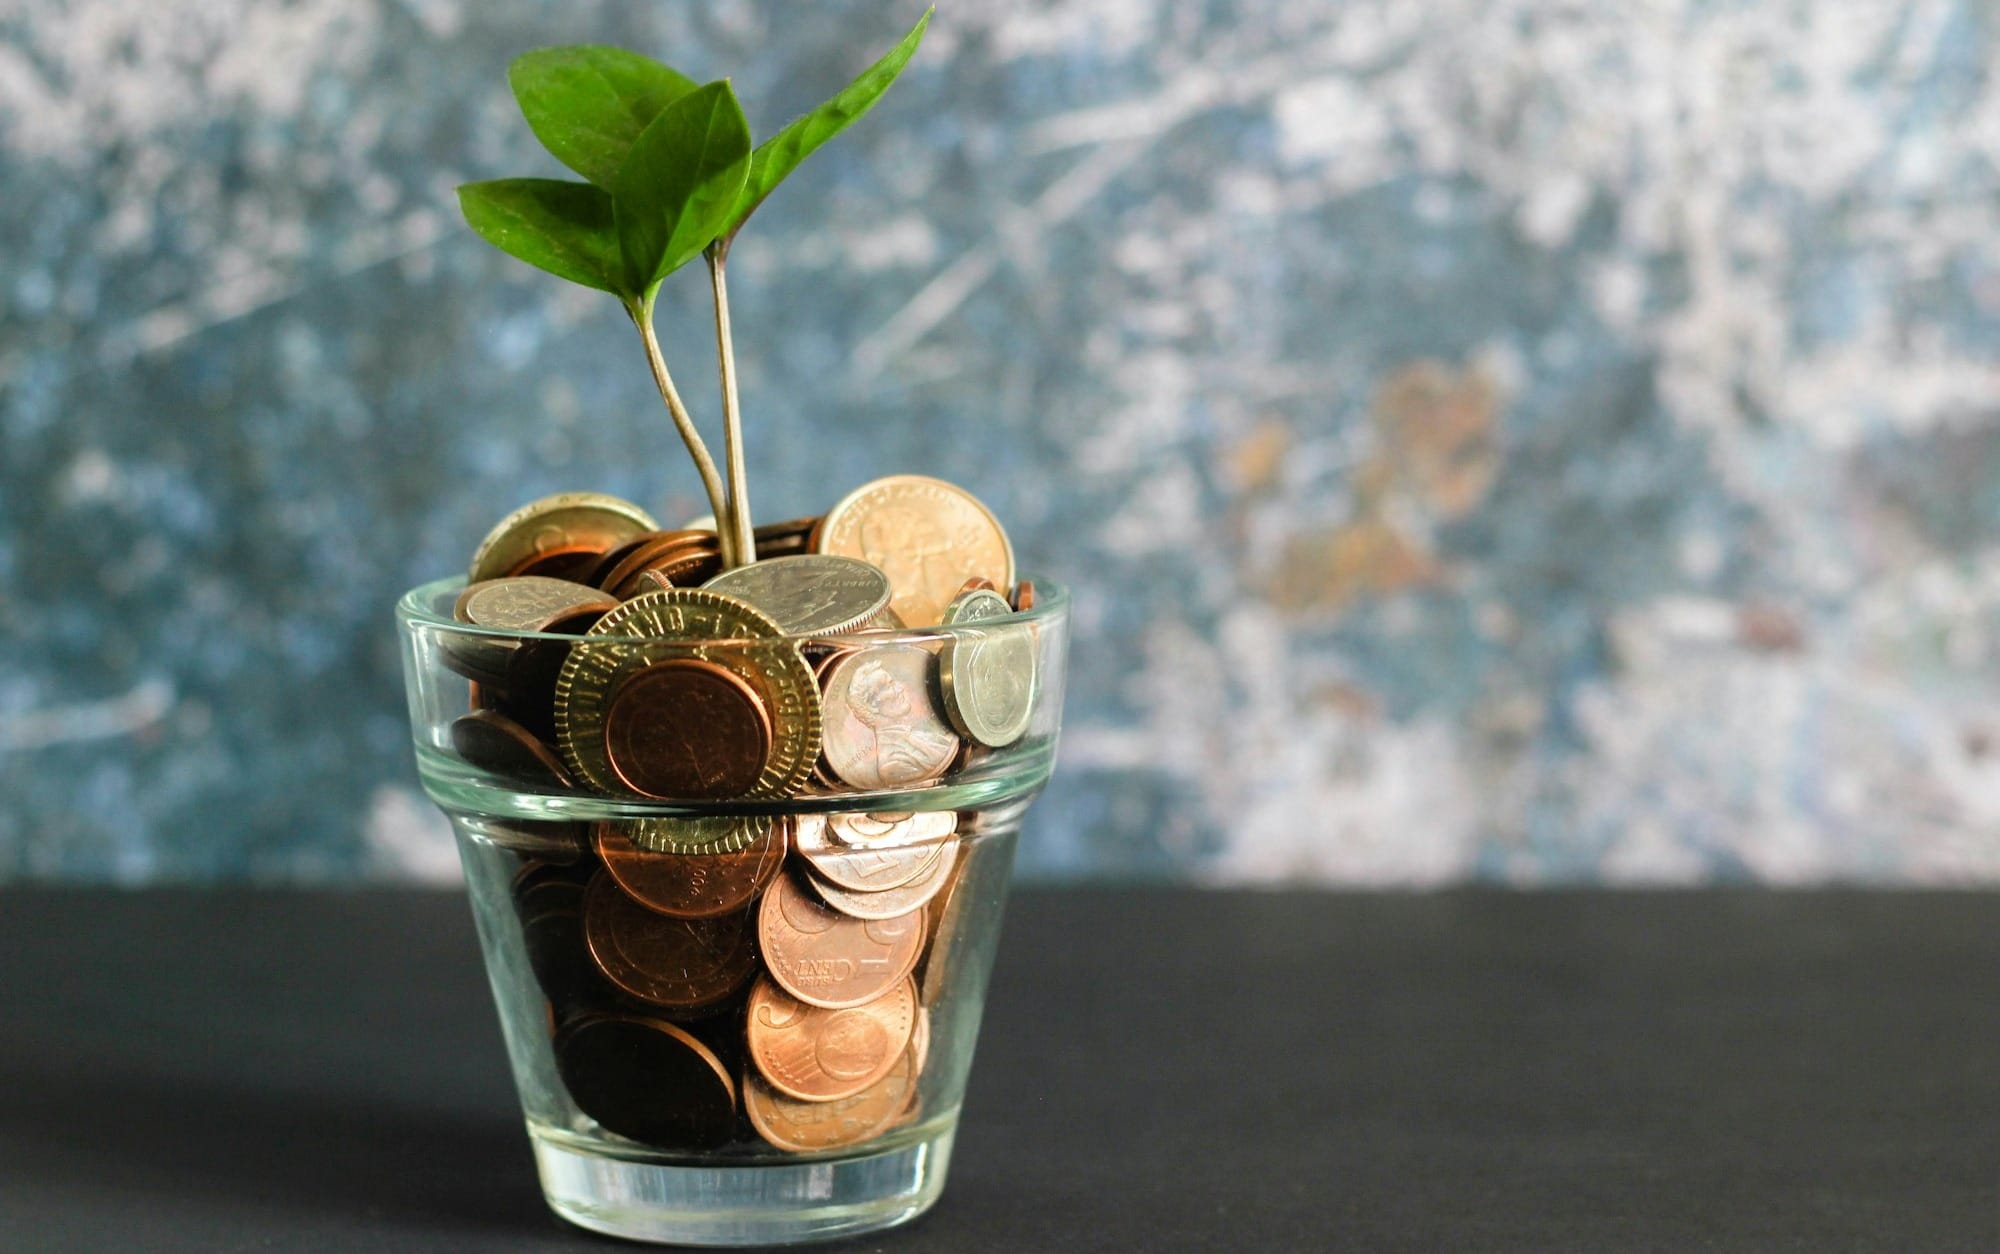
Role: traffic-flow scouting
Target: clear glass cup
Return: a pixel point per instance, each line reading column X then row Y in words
column 650, row 1114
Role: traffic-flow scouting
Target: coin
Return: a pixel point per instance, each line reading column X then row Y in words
column 821, row 1055
column 826, row 959
column 1024, row 596
column 647, row 1080
column 986, row 675
column 671, row 553
column 891, row 903
column 532, row 671
column 927, row 535
column 568, row 522
column 549, row 901
column 864, row 869
column 877, row 831
column 691, row 885
column 682, row 623
column 681, row 964
column 791, row 1124
column 493, row 742
column 881, row 729
column 686, row 728
column 720, row 833
column 526, row 603
column 812, row 594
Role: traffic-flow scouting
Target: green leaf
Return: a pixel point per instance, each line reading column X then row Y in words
column 567, row 229
column 587, row 103
column 678, row 183
column 779, row 155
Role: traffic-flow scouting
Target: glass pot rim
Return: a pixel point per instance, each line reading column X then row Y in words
column 418, row 608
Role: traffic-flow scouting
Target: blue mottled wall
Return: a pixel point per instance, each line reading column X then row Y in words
column 1491, row 438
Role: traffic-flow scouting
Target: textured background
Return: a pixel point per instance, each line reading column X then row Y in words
column 1511, row 439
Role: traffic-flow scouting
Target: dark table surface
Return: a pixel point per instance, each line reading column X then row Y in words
column 1159, row 1071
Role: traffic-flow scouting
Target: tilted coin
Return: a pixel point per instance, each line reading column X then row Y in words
column 811, row 594
column 987, row 675
column 692, row 885
column 857, row 830
column 863, row 868
column 648, row 1080
column 689, row 728
column 688, row 623
column 821, row 1055
column 927, row 535
column 1024, row 596
column 719, row 833
column 673, row 554
column 530, row 682
column 891, row 903
column 568, row 522
column 920, row 1040
column 526, row 603
column 826, row 959
column 791, row 1124
column 493, row 742
column 681, row 964
column 549, row 901
column 882, row 730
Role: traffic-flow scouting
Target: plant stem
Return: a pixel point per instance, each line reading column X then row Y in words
column 642, row 317
column 738, row 519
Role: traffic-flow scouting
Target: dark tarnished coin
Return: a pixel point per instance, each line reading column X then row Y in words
column 1024, row 596
column 986, row 675
column 568, row 523
column 530, row 682
column 549, row 901
column 692, row 885
column 821, row 1055
column 811, row 594
column 791, row 1124
column 687, row 728
column 647, row 1080
column 882, row 730
column 493, row 742
column 891, row 903
column 683, row 623
column 681, row 964
column 827, row 959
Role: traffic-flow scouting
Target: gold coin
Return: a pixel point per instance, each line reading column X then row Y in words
column 689, row 623
column 927, row 535
column 567, row 521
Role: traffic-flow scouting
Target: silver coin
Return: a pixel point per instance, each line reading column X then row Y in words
column 890, row 831
column 889, row 903
column 986, row 675
column 813, row 594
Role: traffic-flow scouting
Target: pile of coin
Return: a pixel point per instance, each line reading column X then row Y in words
column 766, row 973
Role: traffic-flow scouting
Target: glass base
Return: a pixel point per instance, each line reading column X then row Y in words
column 767, row 1204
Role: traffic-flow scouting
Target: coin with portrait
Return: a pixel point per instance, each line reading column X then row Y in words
column 881, row 729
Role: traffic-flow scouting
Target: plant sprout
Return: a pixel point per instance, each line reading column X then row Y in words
column 672, row 175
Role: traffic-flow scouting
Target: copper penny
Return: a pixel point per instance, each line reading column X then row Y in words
column 791, row 1124
column 530, row 682
column 892, row 903
column 821, row 1055
column 687, row 728
column 828, row 959
column 691, row 885
column 647, row 1080
column 681, row 964
column 609, row 560
column 863, row 868
column 1024, row 596
column 880, row 727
